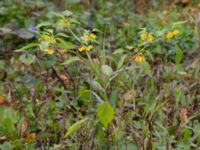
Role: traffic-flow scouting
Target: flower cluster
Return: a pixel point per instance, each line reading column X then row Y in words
column 173, row 33
column 49, row 39
column 86, row 40
column 88, row 37
column 85, row 48
column 146, row 37
column 65, row 22
column 49, row 51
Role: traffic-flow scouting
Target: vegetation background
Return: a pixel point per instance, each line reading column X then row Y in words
column 100, row 74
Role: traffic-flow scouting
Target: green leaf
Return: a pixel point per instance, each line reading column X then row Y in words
column 179, row 55
column 65, row 45
column 5, row 31
column 44, row 44
column 2, row 64
column 118, row 51
column 67, row 13
column 75, row 126
column 106, row 70
column 24, row 34
column 27, row 58
column 27, row 47
column 6, row 146
column 179, row 23
column 84, row 94
column 62, row 35
column 44, row 24
column 121, row 61
column 52, row 13
column 96, row 86
column 71, row 60
column 59, row 26
column 105, row 113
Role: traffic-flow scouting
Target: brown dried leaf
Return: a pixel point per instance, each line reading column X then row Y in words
column 129, row 95
column 3, row 138
column 30, row 137
column 2, row 101
column 64, row 77
column 185, row 1
column 24, row 128
column 184, row 74
column 183, row 115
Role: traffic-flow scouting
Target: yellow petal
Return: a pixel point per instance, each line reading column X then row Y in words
column 93, row 36
column 89, row 47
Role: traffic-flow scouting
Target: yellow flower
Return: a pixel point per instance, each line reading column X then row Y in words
column 146, row 37
column 65, row 22
column 89, row 47
column 93, row 36
column 176, row 31
column 49, row 39
column 143, row 36
column 82, row 48
column 49, row 51
column 138, row 58
column 86, row 38
column 62, row 21
column 170, row 35
column 150, row 38
column 89, row 37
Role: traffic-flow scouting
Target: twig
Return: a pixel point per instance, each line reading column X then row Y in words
column 57, row 75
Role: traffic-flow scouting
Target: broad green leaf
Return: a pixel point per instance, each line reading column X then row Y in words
column 106, row 70
column 5, row 30
column 62, row 35
column 75, row 126
column 43, row 24
column 27, row 47
column 27, row 58
column 44, row 44
column 59, row 26
column 67, row 13
column 179, row 55
column 84, row 94
column 121, row 61
column 118, row 51
column 105, row 113
column 6, row 146
column 52, row 13
column 65, row 45
column 96, row 86
column 71, row 60
column 24, row 34
column 49, row 61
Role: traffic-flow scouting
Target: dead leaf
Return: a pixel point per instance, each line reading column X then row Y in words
column 184, row 74
column 2, row 101
column 3, row 138
column 185, row 1
column 30, row 137
column 64, row 77
column 24, row 128
column 129, row 95
column 183, row 115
